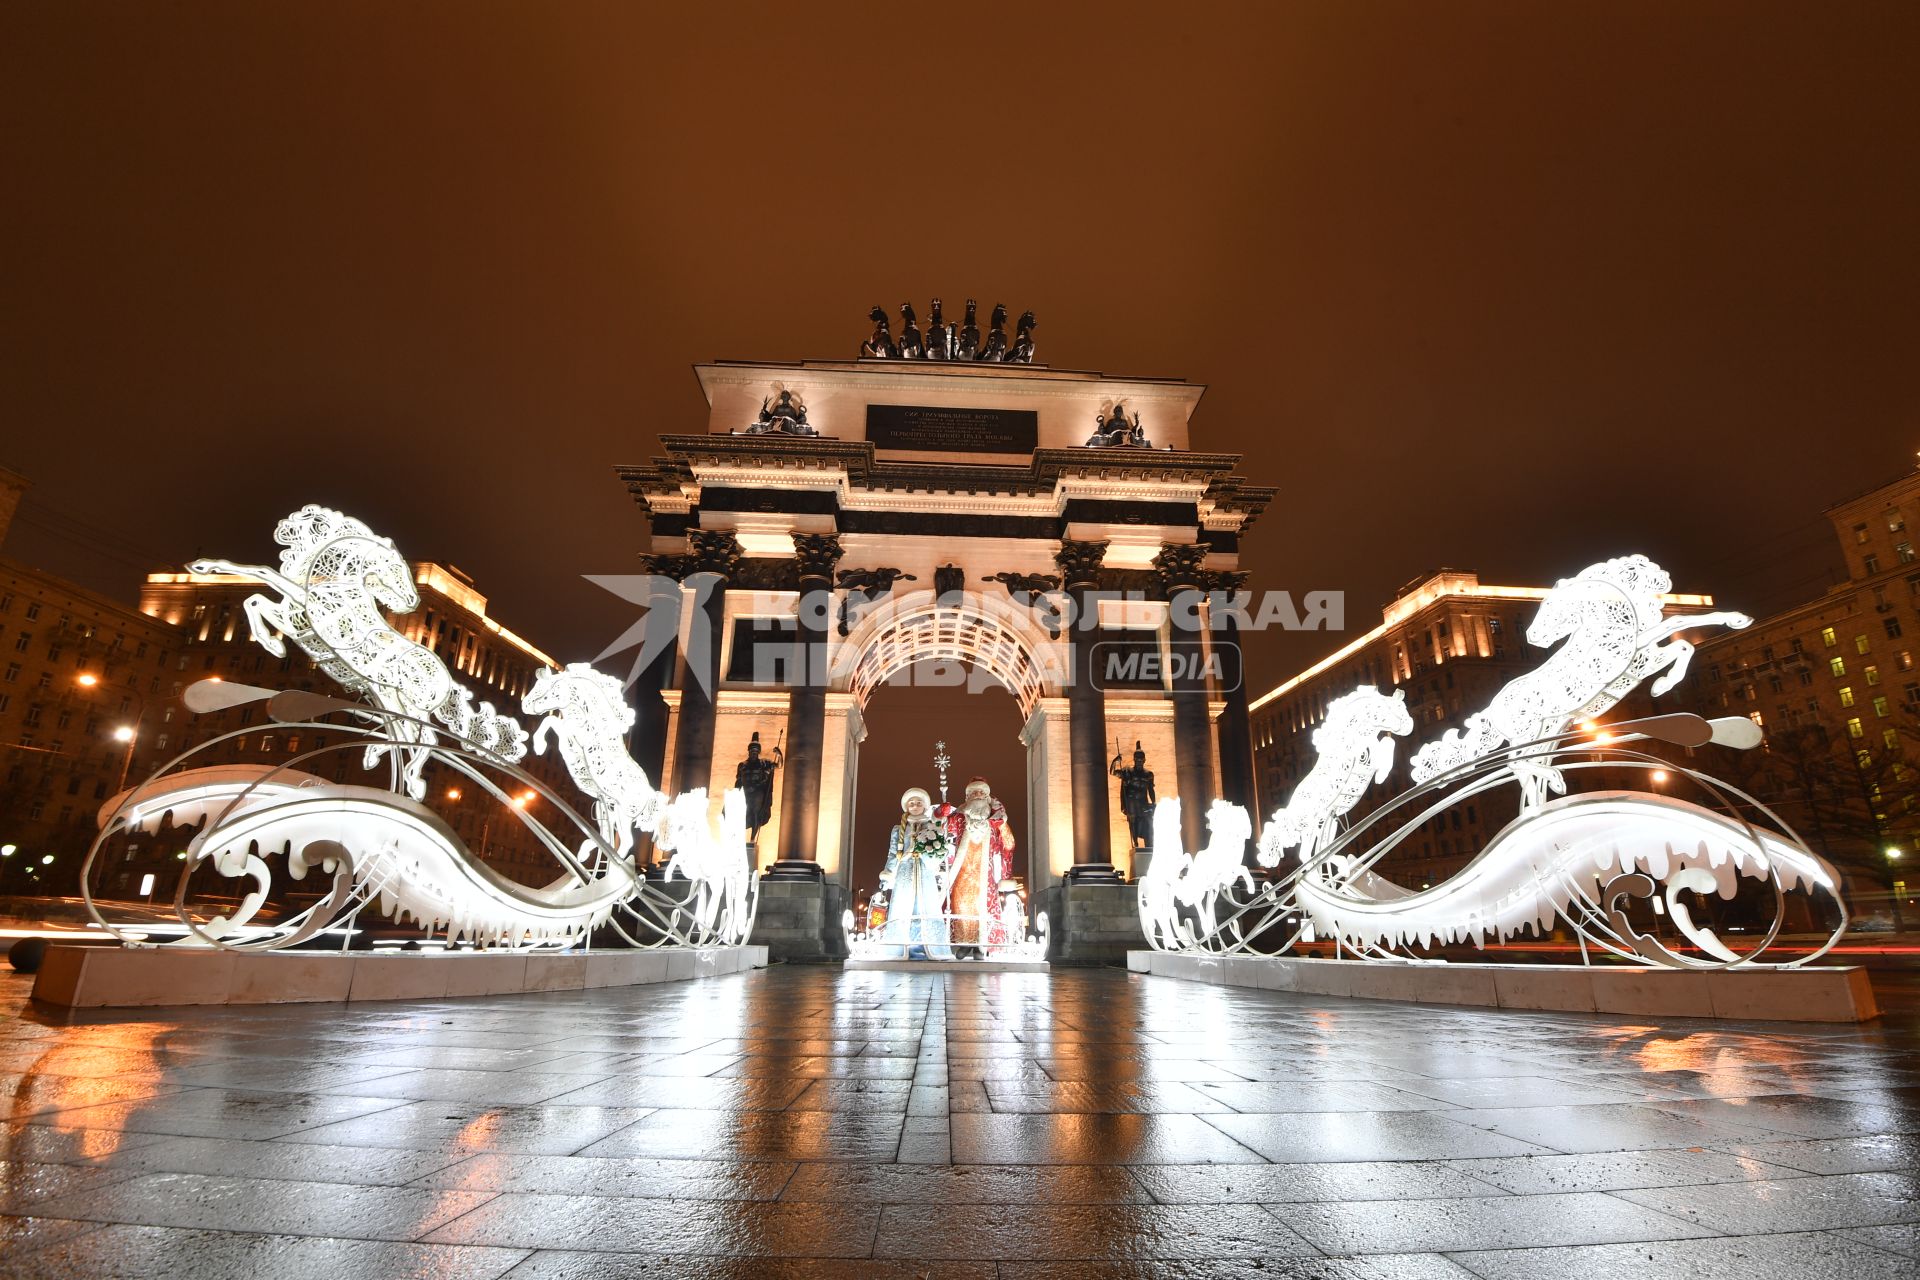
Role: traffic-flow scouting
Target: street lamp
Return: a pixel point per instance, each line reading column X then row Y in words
column 128, row 734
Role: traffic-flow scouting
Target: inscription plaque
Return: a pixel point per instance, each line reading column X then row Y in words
column 913, row 426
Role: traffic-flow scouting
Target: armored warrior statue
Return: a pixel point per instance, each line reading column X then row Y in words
column 910, row 348
column 1136, row 797
column 880, row 345
column 754, row 777
column 969, row 335
column 996, row 348
column 1022, row 352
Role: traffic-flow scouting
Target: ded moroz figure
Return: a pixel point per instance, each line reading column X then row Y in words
column 982, row 858
column 915, row 880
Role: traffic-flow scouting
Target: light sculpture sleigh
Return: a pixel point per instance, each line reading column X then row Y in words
column 384, row 847
column 1618, row 871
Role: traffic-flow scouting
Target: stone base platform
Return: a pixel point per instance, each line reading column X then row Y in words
column 799, row 919
column 945, row 967
column 1836, row 994
column 115, row 977
column 1092, row 923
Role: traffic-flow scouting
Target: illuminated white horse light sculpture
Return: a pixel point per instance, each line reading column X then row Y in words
column 387, row 849
column 335, row 575
column 1353, row 750
column 1176, row 879
column 1610, row 616
column 1580, row 860
column 587, row 713
column 721, row 872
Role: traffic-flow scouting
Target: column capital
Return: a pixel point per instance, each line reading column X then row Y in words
column 1080, row 562
column 667, row 566
column 1224, row 579
column 713, row 551
column 816, row 554
column 1178, row 565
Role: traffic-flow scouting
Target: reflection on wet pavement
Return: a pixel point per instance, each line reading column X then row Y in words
column 806, row 1122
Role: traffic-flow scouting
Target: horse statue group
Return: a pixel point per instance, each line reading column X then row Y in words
column 333, row 593
column 1578, row 859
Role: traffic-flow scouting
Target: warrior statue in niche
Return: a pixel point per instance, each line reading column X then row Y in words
column 754, row 778
column 919, row 852
column 1136, row 798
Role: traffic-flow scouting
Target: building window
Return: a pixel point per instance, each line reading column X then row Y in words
column 1838, row 666
column 33, row 611
column 1806, row 678
column 1893, row 628
column 1873, row 675
column 13, row 672
column 1871, row 563
column 1859, row 644
column 21, row 641
column 1855, row 729
column 33, row 714
column 1860, row 533
column 160, row 743
column 1828, row 638
column 1905, row 551
column 1880, row 706
column 1895, row 521
column 1891, row 737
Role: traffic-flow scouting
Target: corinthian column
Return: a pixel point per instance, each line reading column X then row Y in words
column 712, row 557
column 815, row 555
column 1092, row 837
column 1180, row 578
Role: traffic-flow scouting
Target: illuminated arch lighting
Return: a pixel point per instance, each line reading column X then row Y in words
column 997, row 640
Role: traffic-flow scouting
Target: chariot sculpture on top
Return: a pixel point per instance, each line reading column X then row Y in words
column 382, row 846
column 1609, row 866
column 944, row 341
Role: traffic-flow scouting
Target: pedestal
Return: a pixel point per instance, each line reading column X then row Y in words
column 1092, row 922
column 799, row 915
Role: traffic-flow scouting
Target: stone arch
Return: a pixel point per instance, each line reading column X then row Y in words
column 998, row 638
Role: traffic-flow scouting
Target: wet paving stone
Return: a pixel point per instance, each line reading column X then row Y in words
column 807, row 1123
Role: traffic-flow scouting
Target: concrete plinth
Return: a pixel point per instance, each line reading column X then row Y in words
column 799, row 919
column 1827, row 994
column 1092, row 923
column 92, row 977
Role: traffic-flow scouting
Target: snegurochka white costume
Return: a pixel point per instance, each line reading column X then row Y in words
column 915, row 878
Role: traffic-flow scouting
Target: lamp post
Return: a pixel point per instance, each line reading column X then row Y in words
column 128, row 734
column 1893, row 887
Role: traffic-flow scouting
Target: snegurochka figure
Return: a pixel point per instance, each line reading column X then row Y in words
column 915, row 880
column 1136, row 797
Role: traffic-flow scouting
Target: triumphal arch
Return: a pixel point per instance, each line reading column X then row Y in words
column 1053, row 530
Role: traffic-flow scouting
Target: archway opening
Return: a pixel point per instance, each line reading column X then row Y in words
column 980, row 722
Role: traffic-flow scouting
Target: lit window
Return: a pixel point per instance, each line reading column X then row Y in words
column 1895, row 521
column 1891, row 737
column 1757, row 718
column 1846, row 696
column 1859, row 644
column 1837, row 665
column 1906, row 660
column 1860, row 533
column 1827, row 637
column 1855, row 729
column 1880, row 707
column 1905, row 552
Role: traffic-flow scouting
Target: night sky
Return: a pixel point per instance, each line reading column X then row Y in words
column 1503, row 287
